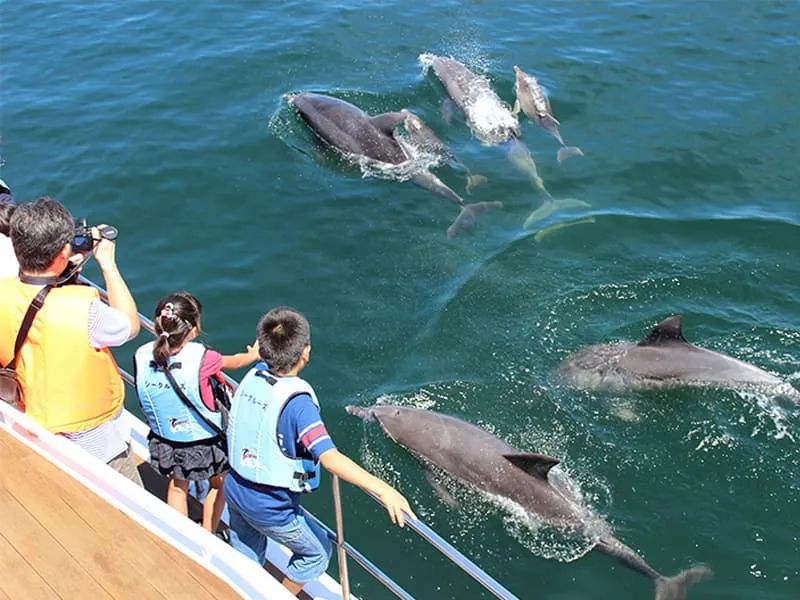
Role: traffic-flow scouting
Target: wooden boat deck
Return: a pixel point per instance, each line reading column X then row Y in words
column 60, row 540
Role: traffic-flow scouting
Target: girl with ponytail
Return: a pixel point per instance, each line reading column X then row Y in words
column 185, row 441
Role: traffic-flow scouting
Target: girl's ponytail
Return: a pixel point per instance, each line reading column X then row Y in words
column 175, row 317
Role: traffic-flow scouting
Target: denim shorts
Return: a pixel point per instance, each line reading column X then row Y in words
column 308, row 542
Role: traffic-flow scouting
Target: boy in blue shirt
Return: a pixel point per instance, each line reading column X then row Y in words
column 276, row 442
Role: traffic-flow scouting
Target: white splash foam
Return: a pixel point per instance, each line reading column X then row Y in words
column 489, row 118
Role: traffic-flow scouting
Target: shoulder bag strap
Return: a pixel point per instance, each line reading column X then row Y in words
column 27, row 321
column 177, row 389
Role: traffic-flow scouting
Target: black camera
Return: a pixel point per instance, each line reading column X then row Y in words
column 83, row 240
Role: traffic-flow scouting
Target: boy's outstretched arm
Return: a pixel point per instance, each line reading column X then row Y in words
column 395, row 503
column 241, row 359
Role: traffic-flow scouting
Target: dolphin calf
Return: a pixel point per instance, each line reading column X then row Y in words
column 664, row 359
column 482, row 460
column 535, row 104
column 423, row 138
column 355, row 134
column 493, row 123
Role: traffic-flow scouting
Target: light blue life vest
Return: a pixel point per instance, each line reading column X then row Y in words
column 253, row 448
column 166, row 413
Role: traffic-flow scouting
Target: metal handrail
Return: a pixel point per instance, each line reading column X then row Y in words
column 345, row 549
column 344, row 579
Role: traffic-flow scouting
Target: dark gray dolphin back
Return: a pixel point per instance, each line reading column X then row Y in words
column 349, row 129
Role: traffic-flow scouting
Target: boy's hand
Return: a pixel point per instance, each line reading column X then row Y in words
column 252, row 352
column 396, row 505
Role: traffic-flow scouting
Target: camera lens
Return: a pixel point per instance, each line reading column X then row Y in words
column 109, row 232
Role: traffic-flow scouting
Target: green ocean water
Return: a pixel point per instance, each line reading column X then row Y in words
column 167, row 120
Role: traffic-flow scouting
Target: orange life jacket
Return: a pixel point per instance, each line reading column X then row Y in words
column 67, row 385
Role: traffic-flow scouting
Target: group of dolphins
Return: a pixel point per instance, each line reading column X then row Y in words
column 662, row 359
column 358, row 136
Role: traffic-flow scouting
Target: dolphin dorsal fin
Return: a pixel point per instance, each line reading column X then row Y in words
column 538, row 465
column 386, row 122
column 669, row 330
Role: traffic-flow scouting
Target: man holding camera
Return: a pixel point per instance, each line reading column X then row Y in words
column 67, row 375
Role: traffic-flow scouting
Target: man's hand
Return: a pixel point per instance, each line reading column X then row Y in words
column 119, row 296
column 104, row 251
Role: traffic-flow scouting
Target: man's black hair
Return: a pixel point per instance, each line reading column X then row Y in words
column 6, row 210
column 283, row 333
column 39, row 230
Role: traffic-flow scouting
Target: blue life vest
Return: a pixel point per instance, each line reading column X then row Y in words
column 253, row 448
column 166, row 413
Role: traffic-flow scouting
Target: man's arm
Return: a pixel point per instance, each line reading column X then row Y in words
column 119, row 296
column 395, row 503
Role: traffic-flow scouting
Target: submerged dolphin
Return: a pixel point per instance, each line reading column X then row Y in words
column 665, row 359
column 355, row 134
column 477, row 457
column 535, row 104
column 492, row 122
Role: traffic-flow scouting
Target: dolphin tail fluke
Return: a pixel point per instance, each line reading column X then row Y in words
column 675, row 588
column 551, row 205
column 468, row 214
column 474, row 181
column 566, row 152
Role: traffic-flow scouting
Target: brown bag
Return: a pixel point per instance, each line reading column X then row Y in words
column 9, row 387
column 10, row 391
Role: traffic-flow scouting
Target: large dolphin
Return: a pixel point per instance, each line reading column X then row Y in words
column 355, row 134
column 664, row 359
column 492, row 122
column 536, row 106
column 479, row 458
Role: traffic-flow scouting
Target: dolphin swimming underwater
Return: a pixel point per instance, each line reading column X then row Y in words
column 664, row 359
column 493, row 123
column 536, row 106
column 479, row 458
column 354, row 134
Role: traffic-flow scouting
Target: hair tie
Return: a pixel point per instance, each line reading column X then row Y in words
column 168, row 311
column 164, row 334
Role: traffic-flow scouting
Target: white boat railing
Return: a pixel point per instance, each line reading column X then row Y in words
column 344, row 549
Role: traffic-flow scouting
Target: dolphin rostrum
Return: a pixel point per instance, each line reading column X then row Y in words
column 484, row 461
column 664, row 359
column 535, row 104
column 355, row 134
column 493, row 123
